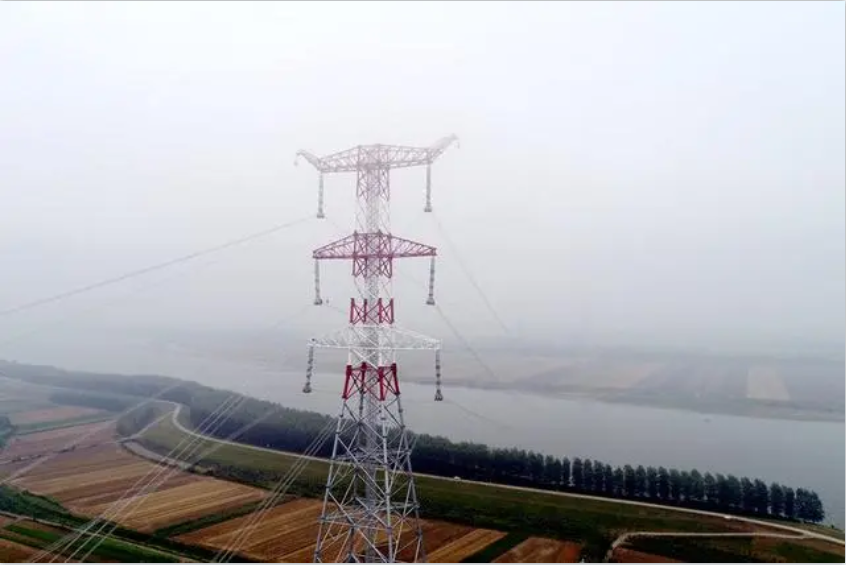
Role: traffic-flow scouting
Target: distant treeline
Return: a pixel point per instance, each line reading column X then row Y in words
column 293, row 430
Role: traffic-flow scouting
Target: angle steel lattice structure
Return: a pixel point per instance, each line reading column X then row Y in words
column 370, row 507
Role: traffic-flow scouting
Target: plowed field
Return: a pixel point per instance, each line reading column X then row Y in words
column 542, row 550
column 283, row 530
column 624, row 555
column 288, row 533
column 13, row 552
column 42, row 443
column 90, row 481
column 464, row 546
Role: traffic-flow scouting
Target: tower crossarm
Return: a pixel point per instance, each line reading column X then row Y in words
column 313, row 160
column 376, row 245
column 378, row 156
column 376, row 339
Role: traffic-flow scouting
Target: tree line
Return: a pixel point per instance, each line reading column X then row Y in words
column 293, row 430
column 692, row 489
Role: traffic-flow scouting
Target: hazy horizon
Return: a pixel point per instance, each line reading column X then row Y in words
column 651, row 174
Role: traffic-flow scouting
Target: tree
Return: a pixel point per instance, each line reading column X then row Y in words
column 552, row 471
column 814, row 511
column 628, row 481
column 663, row 484
column 776, row 499
column 535, row 464
column 684, row 486
column 711, row 491
column 599, row 476
column 578, row 474
column 732, row 493
column 588, row 474
column 760, row 497
column 651, row 483
column 675, row 483
column 640, row 482
column 696, row 486
column 608, row 479
column 565, row 473
column 789, row 503
column 801, row 503
column 619, row 489
column 747, row 496
column 808, row 506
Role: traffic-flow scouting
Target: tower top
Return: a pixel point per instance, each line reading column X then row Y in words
column 377, row 156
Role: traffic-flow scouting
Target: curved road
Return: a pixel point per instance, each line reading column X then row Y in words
column 763, row 523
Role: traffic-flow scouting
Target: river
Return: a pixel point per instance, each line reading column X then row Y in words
column 795, row 453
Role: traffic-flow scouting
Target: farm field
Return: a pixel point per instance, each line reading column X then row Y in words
column 542, row 550
column 89, row 481
column 724, row 549
column 288, row 532
column 34, row 537
column 52, row 441
column 626, row 555
column 54, row 414
column 13, row 552
column 463, row 546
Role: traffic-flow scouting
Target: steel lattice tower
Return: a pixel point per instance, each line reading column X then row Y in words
column 370, row 508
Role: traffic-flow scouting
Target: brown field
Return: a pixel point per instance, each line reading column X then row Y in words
column 13, row 552
column 52, row 414
column 542, row 550
column 465, row 546
column 175, row 504
column 287, row 533
column 89, row 481
column 625, row 555
column 41, row 443
column 283, row 530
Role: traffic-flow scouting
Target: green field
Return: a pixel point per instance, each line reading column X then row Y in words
column 108, row 549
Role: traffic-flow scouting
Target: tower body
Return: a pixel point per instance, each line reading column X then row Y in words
column 370, row 505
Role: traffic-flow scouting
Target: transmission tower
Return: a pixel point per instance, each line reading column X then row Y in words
column 370, row 508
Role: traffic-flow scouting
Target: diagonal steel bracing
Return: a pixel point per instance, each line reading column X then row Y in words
column 370, row 506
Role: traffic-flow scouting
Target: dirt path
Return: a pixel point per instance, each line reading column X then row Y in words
column 625, row 537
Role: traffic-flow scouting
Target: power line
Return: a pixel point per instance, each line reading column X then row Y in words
column 465, row 343
column 469, row 275
column 149, row 269
column 195, row 267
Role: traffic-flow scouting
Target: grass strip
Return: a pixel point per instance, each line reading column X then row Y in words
column 109, row 548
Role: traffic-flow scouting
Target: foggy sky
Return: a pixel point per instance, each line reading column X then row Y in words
column 667, row 172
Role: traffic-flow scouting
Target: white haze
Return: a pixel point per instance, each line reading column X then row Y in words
column 666, row 174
